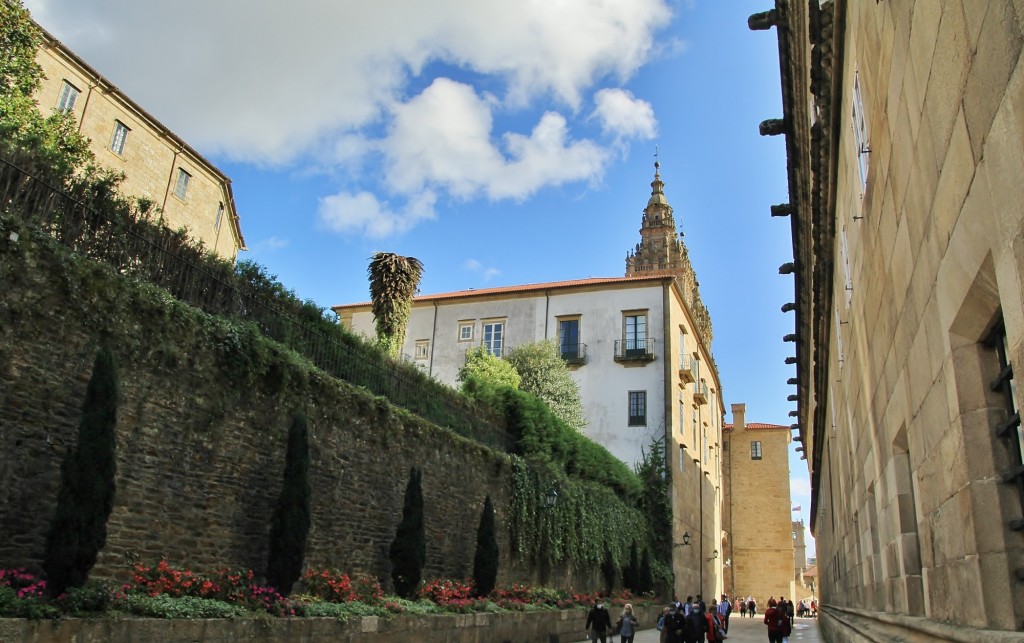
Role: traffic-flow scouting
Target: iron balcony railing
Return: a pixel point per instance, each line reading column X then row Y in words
column 634, row 349
column 574, row 353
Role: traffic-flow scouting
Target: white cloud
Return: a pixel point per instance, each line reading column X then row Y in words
column 270, row 243
column 265, row 81
column 363, row 213
column 625, row 116
column 444, row 137
column 472, row 265
column 799, row 488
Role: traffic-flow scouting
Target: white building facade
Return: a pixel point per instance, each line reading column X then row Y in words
column 637, row 346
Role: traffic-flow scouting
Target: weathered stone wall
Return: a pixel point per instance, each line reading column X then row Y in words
column 521, row 627
column 203, row 418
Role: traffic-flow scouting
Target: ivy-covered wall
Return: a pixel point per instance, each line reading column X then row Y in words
column 204, row 412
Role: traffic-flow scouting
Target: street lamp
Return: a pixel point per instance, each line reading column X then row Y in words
column 714, row 555
column 551, row 499
column 686, row 541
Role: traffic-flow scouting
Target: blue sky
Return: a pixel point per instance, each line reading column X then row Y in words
column 500, row 143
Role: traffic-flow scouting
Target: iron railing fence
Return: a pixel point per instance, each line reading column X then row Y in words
column 92, row 223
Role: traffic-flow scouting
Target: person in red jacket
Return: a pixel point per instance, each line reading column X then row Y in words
column 778, row 622
column 716, row 625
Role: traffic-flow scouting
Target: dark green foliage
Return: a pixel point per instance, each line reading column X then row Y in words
column 655, row 502
column 485, row 562
column 631, row 572
column 79, row 528
column 608, row 572
column 289, row 527
column 408, row 552
column 646, row 579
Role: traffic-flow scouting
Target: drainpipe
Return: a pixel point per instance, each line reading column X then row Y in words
column 85, row 107
column 433, row 341
column 170, row 178
column 547, row 307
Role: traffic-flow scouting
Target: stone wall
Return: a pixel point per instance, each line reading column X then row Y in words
column 203, row 418
column 521, row 627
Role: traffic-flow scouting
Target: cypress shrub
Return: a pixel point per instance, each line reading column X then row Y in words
column 289, row 527
column 646, row 575
column 79, row 528
column 408, row 552
column 608, row 571
column 485, row 562
column 631, row 573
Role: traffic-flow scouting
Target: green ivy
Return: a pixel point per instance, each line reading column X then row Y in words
column 587, row 518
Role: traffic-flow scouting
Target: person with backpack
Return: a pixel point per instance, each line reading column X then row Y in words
column 778, row 622
column 724, row 610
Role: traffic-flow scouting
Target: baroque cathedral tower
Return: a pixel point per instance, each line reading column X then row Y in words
column 661, row 251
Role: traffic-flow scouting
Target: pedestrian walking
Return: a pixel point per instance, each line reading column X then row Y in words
column 715, row 625
column 724, row 610
column 778, row 622
column 599, row 621
column 626, row 625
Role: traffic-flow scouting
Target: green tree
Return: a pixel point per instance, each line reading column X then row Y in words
column 55, row 136
column 289, row 527
column 408, row 552
column 545, row 374
column 86, row 497
column 631, row 572
column 655, row 502
column 394, row 280
column 487, row 370
column 485, row 562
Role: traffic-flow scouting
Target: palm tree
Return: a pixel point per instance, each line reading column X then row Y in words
column 394, row 280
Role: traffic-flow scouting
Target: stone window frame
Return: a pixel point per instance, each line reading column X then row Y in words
column 496, row 348
column 860, row 133
column 756, row 452
column 626, row 315
column 1009, row 429
column 637, row 400
column 578, row 318
column 119, row 137
column 181, row 183
column 422, row 349
column 67, row 97
column 466, row 324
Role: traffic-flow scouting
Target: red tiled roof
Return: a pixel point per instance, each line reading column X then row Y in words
column 593, row 281
column 757, row 426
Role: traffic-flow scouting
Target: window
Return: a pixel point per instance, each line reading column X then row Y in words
column 846, row 267
column 422, row 348
column 755, row 450
column 635, row 330
column 466, row 331
column 68, row 95
column 1010, row 429
column 494, row 337
column 638, row 408
column 120, row 136
column 860, row 133
column 569, row 338
column 219, row 218
column 181, row 187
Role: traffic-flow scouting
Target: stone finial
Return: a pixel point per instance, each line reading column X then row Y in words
column 787, row 268
column 772, row 127
column 791, row 360
column 790, row 337
column 788, row 307
column 782, row 210
column 763, row 21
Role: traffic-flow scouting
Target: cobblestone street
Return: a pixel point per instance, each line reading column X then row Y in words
column 744, row 630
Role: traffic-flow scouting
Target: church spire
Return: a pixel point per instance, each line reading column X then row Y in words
column 661, row 250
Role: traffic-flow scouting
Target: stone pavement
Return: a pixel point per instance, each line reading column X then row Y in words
column 744, row 630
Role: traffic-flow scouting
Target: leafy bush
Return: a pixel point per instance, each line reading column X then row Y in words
column 167, row 606
column 336, row 587
column 13, row 606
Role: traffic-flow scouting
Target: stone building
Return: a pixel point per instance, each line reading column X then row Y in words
column 638, row 352
column 158, row 165
column 904, row 125
column 757, row 539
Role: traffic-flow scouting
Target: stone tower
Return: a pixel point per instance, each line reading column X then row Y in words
column 661, row 251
